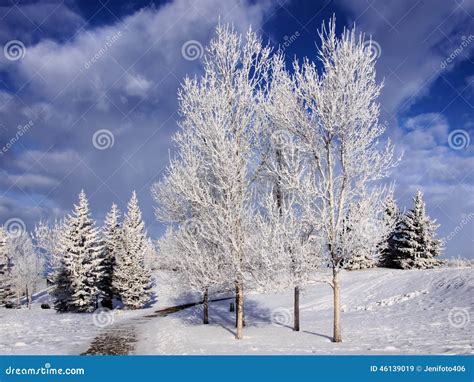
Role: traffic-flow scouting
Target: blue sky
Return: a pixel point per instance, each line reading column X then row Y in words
column 425, row 56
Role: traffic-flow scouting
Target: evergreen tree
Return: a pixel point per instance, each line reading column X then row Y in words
column 131, row 279
column 111, row 244
column 388, row 247
column 5, row 268
column 78, row 278
column 414, row 239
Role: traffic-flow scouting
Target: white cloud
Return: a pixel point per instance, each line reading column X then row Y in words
column 130, row 88
column 416, row 38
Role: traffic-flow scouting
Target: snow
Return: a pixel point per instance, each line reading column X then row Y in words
column 403, row 312
column 39, row 331
column 384, row 312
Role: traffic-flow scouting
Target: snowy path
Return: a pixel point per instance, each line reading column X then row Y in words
column 121, row 339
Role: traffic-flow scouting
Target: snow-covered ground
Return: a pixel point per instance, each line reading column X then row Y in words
column 384, row 311
column 43, row 331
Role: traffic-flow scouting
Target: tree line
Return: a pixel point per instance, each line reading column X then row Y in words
column 88, row 267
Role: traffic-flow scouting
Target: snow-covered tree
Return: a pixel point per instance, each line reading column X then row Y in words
column 392, row 220
column 28, row 266
column 194, row 261
column 151, row 255
column 6, row 292
column 367, row 228
column 340, row 135
column 287, row 235
column 131, row 277
column 416, row 245
column 111, row 236
column 78, row 277
column 218, row 130
column 47, row 239
column 186, row 249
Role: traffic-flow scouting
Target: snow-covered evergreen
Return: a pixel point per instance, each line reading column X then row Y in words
column 416, row 245
column 388, row 246
column 111, row 237
column 131, row 278
column 78, row 278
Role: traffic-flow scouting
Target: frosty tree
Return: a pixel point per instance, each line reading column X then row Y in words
column 341, row 135
column 388, row 246
column 111, row 237
column 80, row 272
column 194, row 260
column 286, row 236
column 5, row 268
column 185, row 248
column 28, row 268
column 218, row 124
column 416, row 245
column 47, row 240
column 131, row 278
column 366, row 229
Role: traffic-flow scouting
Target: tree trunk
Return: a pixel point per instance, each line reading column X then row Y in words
column 337, row 307
column 296, row 323
column 30, row 298
column 236, row 304
column 239, row 310
column 205, row 304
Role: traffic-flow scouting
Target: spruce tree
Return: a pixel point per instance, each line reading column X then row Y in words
column 78, row 278
column 111, row 244
column 131, row 278
column 388, row 247
column 415, row 243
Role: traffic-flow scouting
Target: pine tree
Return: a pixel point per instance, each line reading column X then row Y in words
column 415, row 242
column 131, row 279
column 388, row 247
column 78, row 278
column 111, row 244
column 5, row 268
